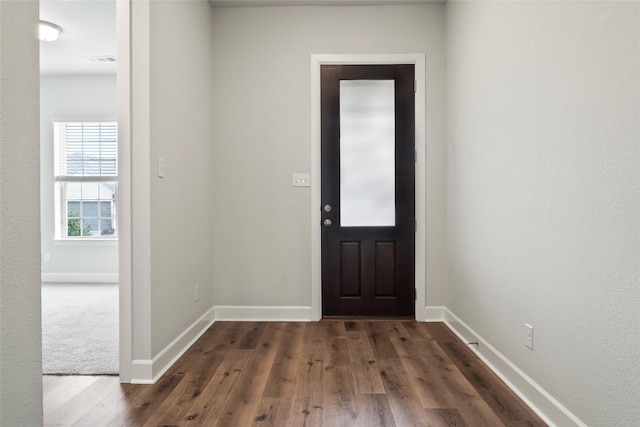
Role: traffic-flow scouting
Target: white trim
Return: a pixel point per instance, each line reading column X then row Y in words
column 539, row 400
column 263, row 313
column 420, row 195
column 123, row 24
column 141, row 372
column 150, row 371
column 434, row 314
column 80, row 277
column 83, row 119
column 88, row 241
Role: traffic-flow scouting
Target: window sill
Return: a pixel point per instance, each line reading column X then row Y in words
column 86, row 242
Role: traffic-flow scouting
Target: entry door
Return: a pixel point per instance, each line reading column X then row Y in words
column 368, row 188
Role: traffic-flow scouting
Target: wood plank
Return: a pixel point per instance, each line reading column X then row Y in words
column 493, row 390
column 404, row 403
column 374, row 410
column 252, row 336
column 395, row 328
column 230, row 333
column 206, row 408
column 185, row 393
column 447, row 417
column 520, row 424
column 339, row 398
column 60, row 390
column 81, row 403
column 114, row 405
column 282, row 377
column 363, row 364
column 353, row 325
column 51, row 381
column 272, row 412
column 379, row 341
column 241, row 408
column 440, row 332
column 306, row 409
column 468, row 401
column 339, row 406
column 336, row 353
column 314, row 333
column 146, row 401
column 434, row 354
column 333, row 329
column 417, row 330
column 219, row 335
column 328, row 373
column 426, row 380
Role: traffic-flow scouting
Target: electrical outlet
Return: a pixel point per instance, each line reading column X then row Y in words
column 529, row 336
column 196, row 293
column 47, row 257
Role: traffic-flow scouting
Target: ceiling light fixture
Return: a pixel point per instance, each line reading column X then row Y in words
column 48, row 32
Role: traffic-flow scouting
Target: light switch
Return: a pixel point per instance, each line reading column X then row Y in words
column 301, row 180
column 160, row 167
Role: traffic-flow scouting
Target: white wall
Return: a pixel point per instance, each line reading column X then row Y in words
column 69, row 98
column 261, row 132
column 543, row 193
column 20, row 336
column 172, row 97
column 181, row 132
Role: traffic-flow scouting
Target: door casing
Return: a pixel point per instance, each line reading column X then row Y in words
column 420, row 173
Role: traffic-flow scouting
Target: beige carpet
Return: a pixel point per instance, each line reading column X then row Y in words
column 80, row 329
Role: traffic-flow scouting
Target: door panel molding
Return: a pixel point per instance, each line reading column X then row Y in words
column 420, row 169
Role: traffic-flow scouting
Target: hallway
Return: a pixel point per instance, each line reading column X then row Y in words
column 328, row 373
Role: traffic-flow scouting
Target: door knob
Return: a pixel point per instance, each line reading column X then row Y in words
column 327, row 208
column 327, row 222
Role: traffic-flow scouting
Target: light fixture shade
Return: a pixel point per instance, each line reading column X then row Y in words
column 48, row 31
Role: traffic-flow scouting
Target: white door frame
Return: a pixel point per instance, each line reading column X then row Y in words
column 123, row 24
column 420, row 195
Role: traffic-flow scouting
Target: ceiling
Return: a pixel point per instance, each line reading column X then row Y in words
column 88, row 30
column 247, row 3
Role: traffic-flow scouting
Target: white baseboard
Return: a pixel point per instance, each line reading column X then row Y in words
column 149, row 371
column 142, row 372
column 539, row 400
column 434, row 314
column 263, row 313
column 79, row 277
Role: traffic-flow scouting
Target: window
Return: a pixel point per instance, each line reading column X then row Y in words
column 86, row 170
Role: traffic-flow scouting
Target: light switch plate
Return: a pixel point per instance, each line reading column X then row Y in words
column 160, row 167
column 528, row 340
column 301, row 180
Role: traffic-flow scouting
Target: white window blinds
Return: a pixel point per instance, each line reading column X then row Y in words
column 86, row 149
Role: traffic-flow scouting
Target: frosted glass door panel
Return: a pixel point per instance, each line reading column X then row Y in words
column 367, row 153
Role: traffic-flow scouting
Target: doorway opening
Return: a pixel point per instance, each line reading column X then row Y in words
column 79, row 186
column 368, row 188
column 317, row 207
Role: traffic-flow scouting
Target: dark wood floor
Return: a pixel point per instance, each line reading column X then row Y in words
column 329, row 373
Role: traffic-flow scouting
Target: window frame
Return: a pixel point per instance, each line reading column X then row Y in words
column 61, row 181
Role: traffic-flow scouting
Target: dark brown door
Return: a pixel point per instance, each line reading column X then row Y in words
column 368, row 188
